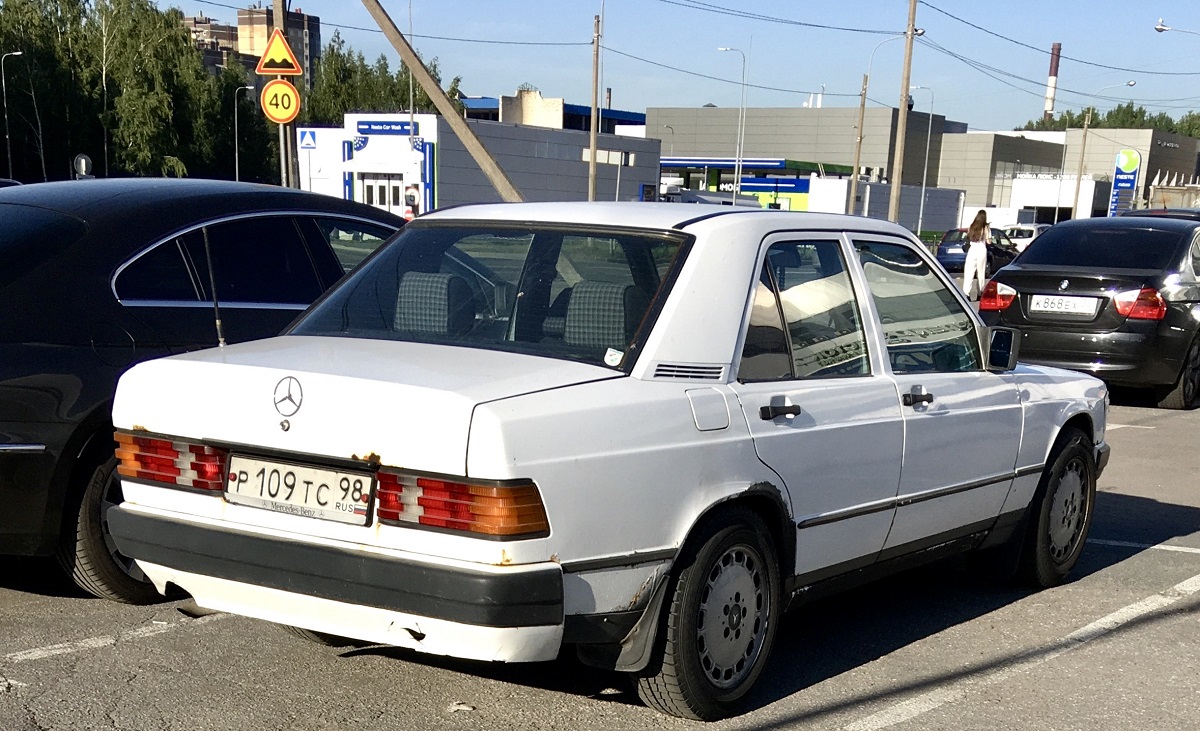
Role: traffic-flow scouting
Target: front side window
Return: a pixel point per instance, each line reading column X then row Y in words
column 559, row 292
column 804, row 309
column 351, row 241
column 926, row 328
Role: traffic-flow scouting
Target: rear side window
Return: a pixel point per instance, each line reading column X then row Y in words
column 30, row 236
column 1107, row 247
column 255, row 260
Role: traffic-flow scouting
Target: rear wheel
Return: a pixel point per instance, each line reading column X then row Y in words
column 724, row 607
column 1183, row 394
column 1061, row 511
column 87, row 551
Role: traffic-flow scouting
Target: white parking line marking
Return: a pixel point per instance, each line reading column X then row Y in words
column 92, row 643
column 913, row 707
column 1156, row 546
column 1110, row 427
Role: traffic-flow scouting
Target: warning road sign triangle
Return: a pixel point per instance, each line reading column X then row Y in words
column 278, row 59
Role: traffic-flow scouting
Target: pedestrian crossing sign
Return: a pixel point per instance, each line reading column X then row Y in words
column 278, row 59
column 308, row 139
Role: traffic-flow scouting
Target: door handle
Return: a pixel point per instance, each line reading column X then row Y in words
column 768, row 413
column 919, row 396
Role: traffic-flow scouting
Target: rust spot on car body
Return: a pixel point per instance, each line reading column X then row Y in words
column 370, row 458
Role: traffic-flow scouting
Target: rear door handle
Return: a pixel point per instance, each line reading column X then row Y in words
column 768, row 413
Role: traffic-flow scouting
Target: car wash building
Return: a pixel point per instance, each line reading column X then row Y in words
column 410, row 164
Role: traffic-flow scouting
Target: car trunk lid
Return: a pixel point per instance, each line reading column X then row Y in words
column 1077, row 297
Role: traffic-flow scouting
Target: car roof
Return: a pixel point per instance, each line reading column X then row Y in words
column 658, row 216
column 1164, row 223
column 1193, row 213
column 107, row 198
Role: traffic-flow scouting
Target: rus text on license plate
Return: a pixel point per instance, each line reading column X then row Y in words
column 300, row 490
column 1064, row 304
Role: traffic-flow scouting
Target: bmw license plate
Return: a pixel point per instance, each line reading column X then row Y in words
column 299, row 490
column 1064, row 304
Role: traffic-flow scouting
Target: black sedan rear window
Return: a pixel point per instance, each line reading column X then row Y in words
column 1105, row 247
column 30, row 236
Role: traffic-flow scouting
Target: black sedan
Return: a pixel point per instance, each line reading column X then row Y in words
column 97, row 275
column 1115, row 297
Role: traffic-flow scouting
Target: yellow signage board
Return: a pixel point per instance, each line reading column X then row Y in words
column 278, row 59
column 279, row 101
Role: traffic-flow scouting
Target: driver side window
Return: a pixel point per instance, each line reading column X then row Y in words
column 926, row 327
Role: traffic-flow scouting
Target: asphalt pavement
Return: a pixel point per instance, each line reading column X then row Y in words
column 946, row 646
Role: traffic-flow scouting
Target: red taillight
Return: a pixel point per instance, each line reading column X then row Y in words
column 168, row 462
column 996, row 296
column 1141, row 304
column 509, row 510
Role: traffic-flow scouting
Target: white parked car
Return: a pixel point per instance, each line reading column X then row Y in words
column 1023, row 234
column 644, row 430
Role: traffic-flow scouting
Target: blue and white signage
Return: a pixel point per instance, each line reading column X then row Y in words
column 308, row 139
column 387, row 127
column 1125, row 177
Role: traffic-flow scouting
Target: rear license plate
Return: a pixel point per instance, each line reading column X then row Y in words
column 1063, row 304
column 299, row 490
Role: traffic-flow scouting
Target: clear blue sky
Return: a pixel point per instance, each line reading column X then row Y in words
column 663, row 52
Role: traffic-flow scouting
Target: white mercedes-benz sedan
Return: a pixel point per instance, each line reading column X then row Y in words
column 642, row 430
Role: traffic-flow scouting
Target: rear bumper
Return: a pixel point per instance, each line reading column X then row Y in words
column 1120, row 358
column 507, row 613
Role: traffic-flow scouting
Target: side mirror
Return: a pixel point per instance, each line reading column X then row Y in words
column 1003, row 344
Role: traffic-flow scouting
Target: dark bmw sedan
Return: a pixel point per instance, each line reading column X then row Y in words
column 97, row 275
column 1115, row 297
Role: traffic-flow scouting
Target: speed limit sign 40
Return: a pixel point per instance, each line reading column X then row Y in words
column 279, row 101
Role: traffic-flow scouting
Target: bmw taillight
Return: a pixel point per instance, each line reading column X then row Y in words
column 170, row 462
column 1141, row 304
column 509, row 510
column 996, row 296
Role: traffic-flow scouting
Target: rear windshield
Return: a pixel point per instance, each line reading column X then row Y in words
column 1107, row 247
column 30, row 236
column 578, row 294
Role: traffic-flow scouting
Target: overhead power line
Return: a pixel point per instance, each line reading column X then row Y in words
column 1043, row 51
column 717, row 9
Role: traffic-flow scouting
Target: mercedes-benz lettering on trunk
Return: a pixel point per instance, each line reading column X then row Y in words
column 621, row 427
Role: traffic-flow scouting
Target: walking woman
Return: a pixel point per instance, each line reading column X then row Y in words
column 975, row 266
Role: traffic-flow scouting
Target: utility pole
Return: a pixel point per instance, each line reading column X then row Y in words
column 862, row 110
column 508, row 192
column 595, row 112
column 285, row 148
column 897, row 175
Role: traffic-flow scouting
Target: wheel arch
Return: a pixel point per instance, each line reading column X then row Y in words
column 767, row 501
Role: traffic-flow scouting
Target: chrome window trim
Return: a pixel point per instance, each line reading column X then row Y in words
column 198, row 304
column 280, row 213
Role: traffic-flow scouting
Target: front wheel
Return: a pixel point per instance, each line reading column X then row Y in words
column 1061, row 511
column 720, row 623
column 87, row 551
column 1183, row 394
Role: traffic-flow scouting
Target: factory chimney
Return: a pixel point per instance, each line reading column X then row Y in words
column 1052, row 82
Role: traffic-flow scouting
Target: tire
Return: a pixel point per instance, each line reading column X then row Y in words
column 720, row 622
column 1061, row 511
column 323, row 638
column 1183, row 394
column 87, row 552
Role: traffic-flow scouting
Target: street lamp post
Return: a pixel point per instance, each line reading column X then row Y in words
column 1164, row 28
column 862, row 111
column 236, row 144
column 4, row 88
column 741, row 134
column 1087, row 122
column 667, row 126
column 925, row 171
